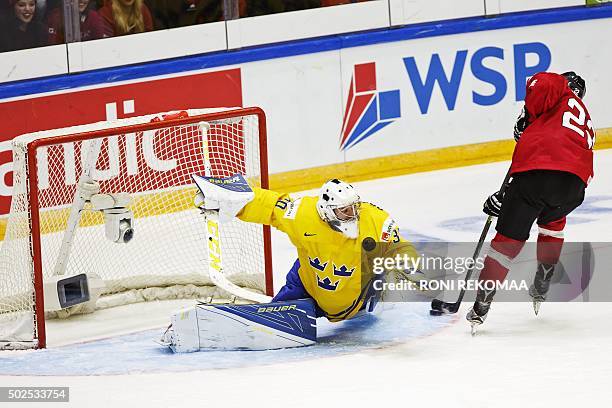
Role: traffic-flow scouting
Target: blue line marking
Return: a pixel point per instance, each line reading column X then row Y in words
column 591, row 210
column 302, row 47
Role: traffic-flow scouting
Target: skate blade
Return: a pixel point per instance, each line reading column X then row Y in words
column 536, row 307
column 473, row 327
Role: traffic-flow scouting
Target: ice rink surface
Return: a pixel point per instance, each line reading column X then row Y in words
column 562, row 358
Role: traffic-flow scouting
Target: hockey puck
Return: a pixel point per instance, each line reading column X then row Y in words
column 434, row 312
column 368, row 244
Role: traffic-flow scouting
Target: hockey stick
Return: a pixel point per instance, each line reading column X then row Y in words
column 215, row 266
column 213, row 240
column 440, row 307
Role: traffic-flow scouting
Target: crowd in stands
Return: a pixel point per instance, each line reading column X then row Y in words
column 36, row 23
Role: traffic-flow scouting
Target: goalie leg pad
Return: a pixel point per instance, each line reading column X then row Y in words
column 265, row 326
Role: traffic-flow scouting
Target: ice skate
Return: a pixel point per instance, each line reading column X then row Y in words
column 539, row 289
column 478, row 313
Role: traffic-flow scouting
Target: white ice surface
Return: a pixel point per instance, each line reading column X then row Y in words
column 563, row 358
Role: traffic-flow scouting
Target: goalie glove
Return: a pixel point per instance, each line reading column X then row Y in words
column 492, row 206
column 521, row 124
column 228, row 195
column 203, row 204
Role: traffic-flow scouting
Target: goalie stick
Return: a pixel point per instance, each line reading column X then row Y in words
column 215, row 266
column 440, row 307
column 213, row 240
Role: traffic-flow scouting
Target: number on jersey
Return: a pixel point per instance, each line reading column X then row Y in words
column 576, row 122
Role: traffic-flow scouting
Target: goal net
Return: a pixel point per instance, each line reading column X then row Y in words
column 152, row 158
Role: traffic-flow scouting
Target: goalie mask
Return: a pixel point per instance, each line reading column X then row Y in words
column 338, row 205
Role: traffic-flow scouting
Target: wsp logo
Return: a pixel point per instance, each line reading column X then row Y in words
column 367, row 109
column 450, row 76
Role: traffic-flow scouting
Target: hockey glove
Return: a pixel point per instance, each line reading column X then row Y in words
column 229, row 195
column 521, row 124
column 492, row 206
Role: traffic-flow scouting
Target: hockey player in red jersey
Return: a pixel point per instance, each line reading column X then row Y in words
column 551, row 166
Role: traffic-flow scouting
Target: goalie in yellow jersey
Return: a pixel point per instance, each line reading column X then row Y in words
column 330, row 232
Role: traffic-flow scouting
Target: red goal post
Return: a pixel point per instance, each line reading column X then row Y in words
column 151, row 158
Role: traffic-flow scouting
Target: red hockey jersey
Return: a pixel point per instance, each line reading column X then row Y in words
column 560, row 134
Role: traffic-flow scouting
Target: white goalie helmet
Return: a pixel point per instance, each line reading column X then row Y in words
column 339, row 206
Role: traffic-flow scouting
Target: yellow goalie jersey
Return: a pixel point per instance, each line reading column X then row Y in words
column 332, row 268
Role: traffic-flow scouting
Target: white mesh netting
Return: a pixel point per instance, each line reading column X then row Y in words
column 167, row 257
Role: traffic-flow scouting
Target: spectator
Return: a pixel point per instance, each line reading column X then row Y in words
column 261, row 7
column 123, row 17
column 92, row 25
column 181, row 13
column 19, row 30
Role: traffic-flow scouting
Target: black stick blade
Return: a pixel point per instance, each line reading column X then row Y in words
column 443, row 307
column 436, row 304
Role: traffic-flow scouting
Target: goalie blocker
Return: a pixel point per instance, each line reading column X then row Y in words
column 263, row 326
